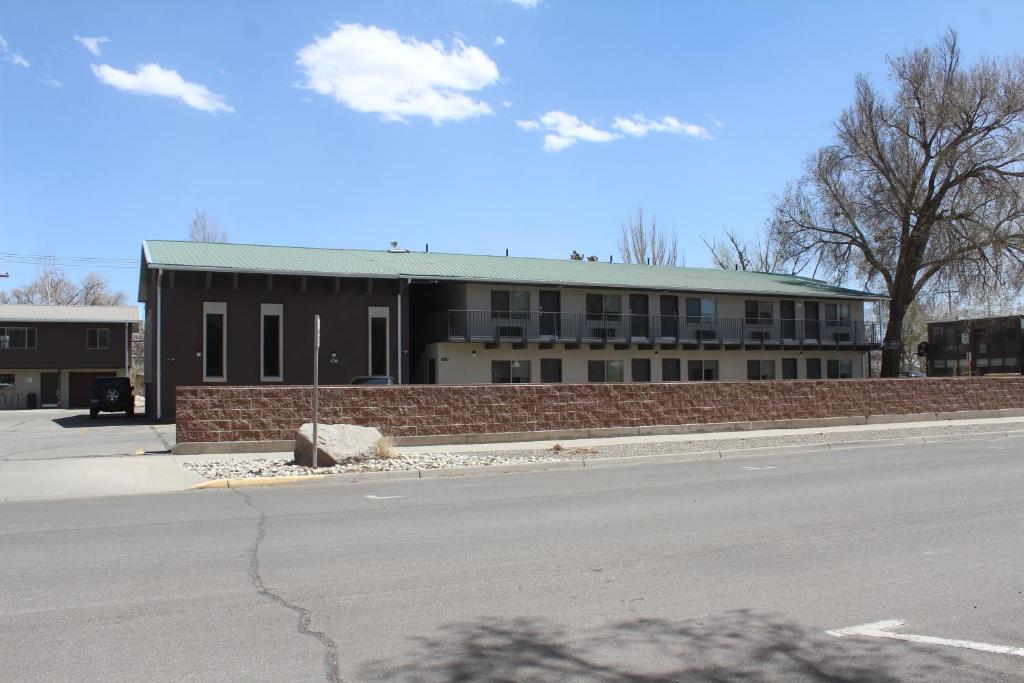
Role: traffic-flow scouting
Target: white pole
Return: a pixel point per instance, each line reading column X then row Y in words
column 316, row 384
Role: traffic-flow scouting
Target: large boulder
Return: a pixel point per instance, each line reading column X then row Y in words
column 337, row 444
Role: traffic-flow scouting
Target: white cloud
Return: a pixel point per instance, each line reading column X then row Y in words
column 9, row 55
column 639, row 126
column 92, row 44
column 565, row 130
column 526, row 4
column 153, row 79
column 499, row 40
column 374, row 70
column 52, row 82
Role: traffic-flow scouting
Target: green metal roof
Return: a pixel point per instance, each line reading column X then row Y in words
column 252, row 258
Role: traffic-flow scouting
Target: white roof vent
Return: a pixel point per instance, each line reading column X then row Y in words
column 395, row 249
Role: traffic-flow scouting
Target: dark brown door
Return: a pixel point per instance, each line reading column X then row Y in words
column 638, row 312
column 79, row 384
column 812, row 326
column 49, row 383
column 550, row 313
column 669, row 315
column 787, row 314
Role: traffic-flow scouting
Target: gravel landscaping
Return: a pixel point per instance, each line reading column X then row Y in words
column 246, row 469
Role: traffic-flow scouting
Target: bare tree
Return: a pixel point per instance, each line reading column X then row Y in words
column 761, row 255
column 53, row 287
column 205, row 229
column 642, row 242
column 923, row 184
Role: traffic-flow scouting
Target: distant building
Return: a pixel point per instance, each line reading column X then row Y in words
column 978, row 346
column 49, row 355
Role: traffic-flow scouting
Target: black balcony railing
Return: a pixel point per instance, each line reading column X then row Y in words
column 625, row 328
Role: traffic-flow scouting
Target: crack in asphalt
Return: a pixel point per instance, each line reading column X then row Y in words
column 303, row 615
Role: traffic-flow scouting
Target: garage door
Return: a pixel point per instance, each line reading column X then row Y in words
column 79, row 385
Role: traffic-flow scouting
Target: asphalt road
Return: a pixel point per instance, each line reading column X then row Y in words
column 717, row 571
column 48, row 434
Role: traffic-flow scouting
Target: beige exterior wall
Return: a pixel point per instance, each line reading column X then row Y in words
column 29, row 382
column 456, row 363
column 574, row 300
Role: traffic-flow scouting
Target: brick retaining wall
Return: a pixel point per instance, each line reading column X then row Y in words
column 212, row 413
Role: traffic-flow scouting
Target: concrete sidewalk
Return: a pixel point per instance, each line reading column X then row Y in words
column 92, row 477
column 134, row 475
column 872, row 430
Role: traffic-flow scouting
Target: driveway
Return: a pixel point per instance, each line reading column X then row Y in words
column 60, row 434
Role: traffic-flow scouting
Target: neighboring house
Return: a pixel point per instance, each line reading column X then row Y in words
column 241, row 314
column 978, row 346
column 49, row 355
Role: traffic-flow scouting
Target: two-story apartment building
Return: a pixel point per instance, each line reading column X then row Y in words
column 243, row 315
column 976, row 346
column 49, row 355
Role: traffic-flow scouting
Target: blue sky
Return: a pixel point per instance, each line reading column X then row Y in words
column 471, row 125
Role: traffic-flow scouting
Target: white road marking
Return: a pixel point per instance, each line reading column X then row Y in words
column 883, row 629
column 747, row 467
column 371, row 497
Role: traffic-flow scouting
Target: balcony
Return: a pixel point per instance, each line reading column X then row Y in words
column 576, row 329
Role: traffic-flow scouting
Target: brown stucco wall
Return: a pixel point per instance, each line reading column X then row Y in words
column 63, row 345
column 343, row 317
column 263, row 413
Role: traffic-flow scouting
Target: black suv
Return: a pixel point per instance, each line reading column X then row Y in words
column 111, row 395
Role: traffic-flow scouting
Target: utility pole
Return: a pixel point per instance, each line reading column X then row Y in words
column 316, row 386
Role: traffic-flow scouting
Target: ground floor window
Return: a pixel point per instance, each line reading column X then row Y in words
column 840, row 369
column 640, row 369
column 379, row 342
column 510, row 371
column 6, row 381
column 272, row 342
column 813, row 368
column 789, row 368
column 670, row 370
column 604, row 371
column 760, row 369
column 215, row 330
column 702, row 370
column 551, row 370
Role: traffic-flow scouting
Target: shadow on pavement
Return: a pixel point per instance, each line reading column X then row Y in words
column 735, row 646
column 102, row 420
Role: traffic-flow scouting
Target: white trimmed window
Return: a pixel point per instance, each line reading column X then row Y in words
column 271, row 342
column 215, row 341
column 97, row 338
column 379, row 341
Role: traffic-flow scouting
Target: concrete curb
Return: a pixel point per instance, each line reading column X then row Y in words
column 584, row 463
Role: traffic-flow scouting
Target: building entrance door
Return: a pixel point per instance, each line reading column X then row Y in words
column 550, row 313
column 49, row 386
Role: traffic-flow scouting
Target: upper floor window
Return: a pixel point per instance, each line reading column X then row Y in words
column 604, row 306
column 758, row 311
column 504, row 302
column 215, row 348
column 97, row 338
column 17, row 337
column 838, row 313
column 701, row 310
